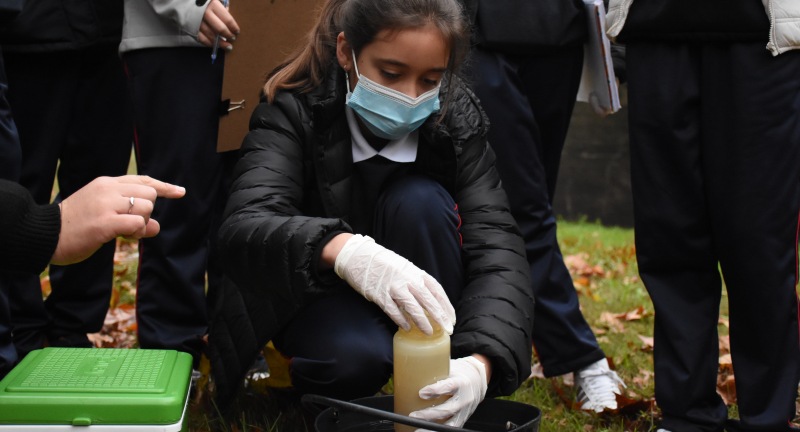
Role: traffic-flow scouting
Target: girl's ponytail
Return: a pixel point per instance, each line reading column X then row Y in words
column 308, row 66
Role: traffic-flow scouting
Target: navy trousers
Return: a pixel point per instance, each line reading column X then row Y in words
column 77, row 119
column 715, row 145
column 176, row 98
column 341, row 346
column 529, row 101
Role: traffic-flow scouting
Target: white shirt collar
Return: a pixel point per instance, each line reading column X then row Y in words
column 400, row 150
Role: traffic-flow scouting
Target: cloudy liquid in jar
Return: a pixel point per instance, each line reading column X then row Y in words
column 419, row 360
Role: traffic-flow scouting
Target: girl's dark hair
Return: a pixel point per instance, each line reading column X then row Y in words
column 361, row 21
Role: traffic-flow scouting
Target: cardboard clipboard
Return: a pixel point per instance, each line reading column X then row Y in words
column 270, row 31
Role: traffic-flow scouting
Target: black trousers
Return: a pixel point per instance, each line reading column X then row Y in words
column 10, row 166
column 73, row 115
column 176, row 98
column 341, row 345
column 715, row 145
column 10, row 151
column 529, row 101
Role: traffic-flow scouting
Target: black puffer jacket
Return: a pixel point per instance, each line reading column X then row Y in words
column 292, row 188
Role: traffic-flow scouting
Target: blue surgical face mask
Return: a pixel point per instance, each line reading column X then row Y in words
column 388, row 113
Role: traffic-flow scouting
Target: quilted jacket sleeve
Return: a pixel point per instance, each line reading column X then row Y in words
column 268, row 245
column 495, row 312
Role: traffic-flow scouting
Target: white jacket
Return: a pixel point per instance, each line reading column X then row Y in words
column 161, row 24
column 784, row 22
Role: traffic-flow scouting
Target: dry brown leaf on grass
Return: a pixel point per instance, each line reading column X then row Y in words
column 577, row 265
column 644, row 378
column 632, row 407
column 126, row 251
column 576, row 261
column 586, row 287
column 726, row 388
column 724, row 344
column 634, row 314
column 100, row 340
column 612, row 322
column 537, row 371
column 726, row 383
column 46, row 288
column 119, row 329
column 630, row 280
column 647, row 343
column 582, row 281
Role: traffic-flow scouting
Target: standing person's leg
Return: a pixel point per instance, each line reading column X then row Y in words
column 752, row 128
column 563, row 340
column 10, row 151
column 98, row 143
column 8, row 354
column 41, row 102
column 176, row 98
column 10, row 166
column 550, row 82
column 674, row 245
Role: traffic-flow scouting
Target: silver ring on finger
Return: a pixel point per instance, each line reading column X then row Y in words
column 130, row 206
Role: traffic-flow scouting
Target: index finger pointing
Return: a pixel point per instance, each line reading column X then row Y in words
column 163, row 189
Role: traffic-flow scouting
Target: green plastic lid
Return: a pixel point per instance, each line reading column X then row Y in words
column 96, row 386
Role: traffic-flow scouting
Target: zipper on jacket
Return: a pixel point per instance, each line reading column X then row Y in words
column 619, row 14
column 771, row 46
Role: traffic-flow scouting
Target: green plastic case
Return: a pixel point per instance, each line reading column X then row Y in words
column 97, row 386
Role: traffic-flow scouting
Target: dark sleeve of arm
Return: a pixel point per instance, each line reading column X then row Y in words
column 495, row 311
column 269, row 247
column 326, row 276
column 28, row 232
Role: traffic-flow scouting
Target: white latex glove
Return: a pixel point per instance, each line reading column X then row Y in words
column 467, row 387
column 395, row 284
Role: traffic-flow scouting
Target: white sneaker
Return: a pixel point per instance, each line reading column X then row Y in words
column 598, row 386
